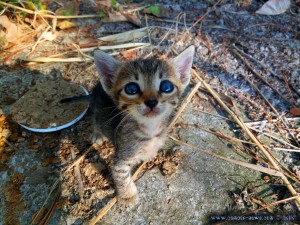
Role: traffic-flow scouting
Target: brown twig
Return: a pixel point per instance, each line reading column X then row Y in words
column 283, row 74
column 47, row 217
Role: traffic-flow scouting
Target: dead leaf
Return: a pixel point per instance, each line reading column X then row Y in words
column 295, row 111
column 5, row 133
column 169, row 168
column 11, row 32
column 93, row 168
column 113, row 18
column 133, row 18
column 49, row 36
column 274, row 7
column 226, row 99
column 65, row 24
column 2, row 143
column 62, row 202
column 267, row 178
column 129, row 54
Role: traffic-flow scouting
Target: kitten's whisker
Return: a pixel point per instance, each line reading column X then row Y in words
column 110, row 119
column 115, row 108
column 119, row 125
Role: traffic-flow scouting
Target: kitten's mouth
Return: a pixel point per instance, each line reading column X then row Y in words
column 148, row 112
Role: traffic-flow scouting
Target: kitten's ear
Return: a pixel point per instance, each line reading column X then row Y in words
column 107, row 67
column 183, row 64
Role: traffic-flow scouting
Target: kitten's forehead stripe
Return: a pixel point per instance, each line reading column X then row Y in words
column 136, row 76
column 160, row 74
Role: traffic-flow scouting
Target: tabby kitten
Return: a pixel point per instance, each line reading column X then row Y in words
column 133, row 105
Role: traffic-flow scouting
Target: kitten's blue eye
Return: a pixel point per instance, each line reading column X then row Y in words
column 166, row 86
column 132, row 88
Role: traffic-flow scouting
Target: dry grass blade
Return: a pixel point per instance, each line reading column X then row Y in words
column 273, row 204
column 283, row 74
column 78, row 160
column 258, row 123
column 241, row 123
column 54, row 186
column 47, row 217
column 127, row 45
column 40, row 38
column 126, row 36
column 207, row 12
column 286, row 149
column 186, row 101
column 274, row 138
column 103, row 211
column 77, row 174
column 50, row 60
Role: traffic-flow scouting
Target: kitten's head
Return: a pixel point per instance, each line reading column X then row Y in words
column 147, row 89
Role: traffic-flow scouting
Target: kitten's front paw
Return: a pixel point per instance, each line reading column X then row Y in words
column 98, row 139
column 128, row 198
column 128, row 202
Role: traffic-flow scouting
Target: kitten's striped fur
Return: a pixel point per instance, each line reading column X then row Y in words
column 136, row 123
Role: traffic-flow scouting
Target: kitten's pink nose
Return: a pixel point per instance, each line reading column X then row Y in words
column 151, row 103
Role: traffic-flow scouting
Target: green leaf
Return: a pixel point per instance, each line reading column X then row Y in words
column 154, row 9
column 113, row 2
column 70, row 8
column 35, row 5
column 102, row 13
